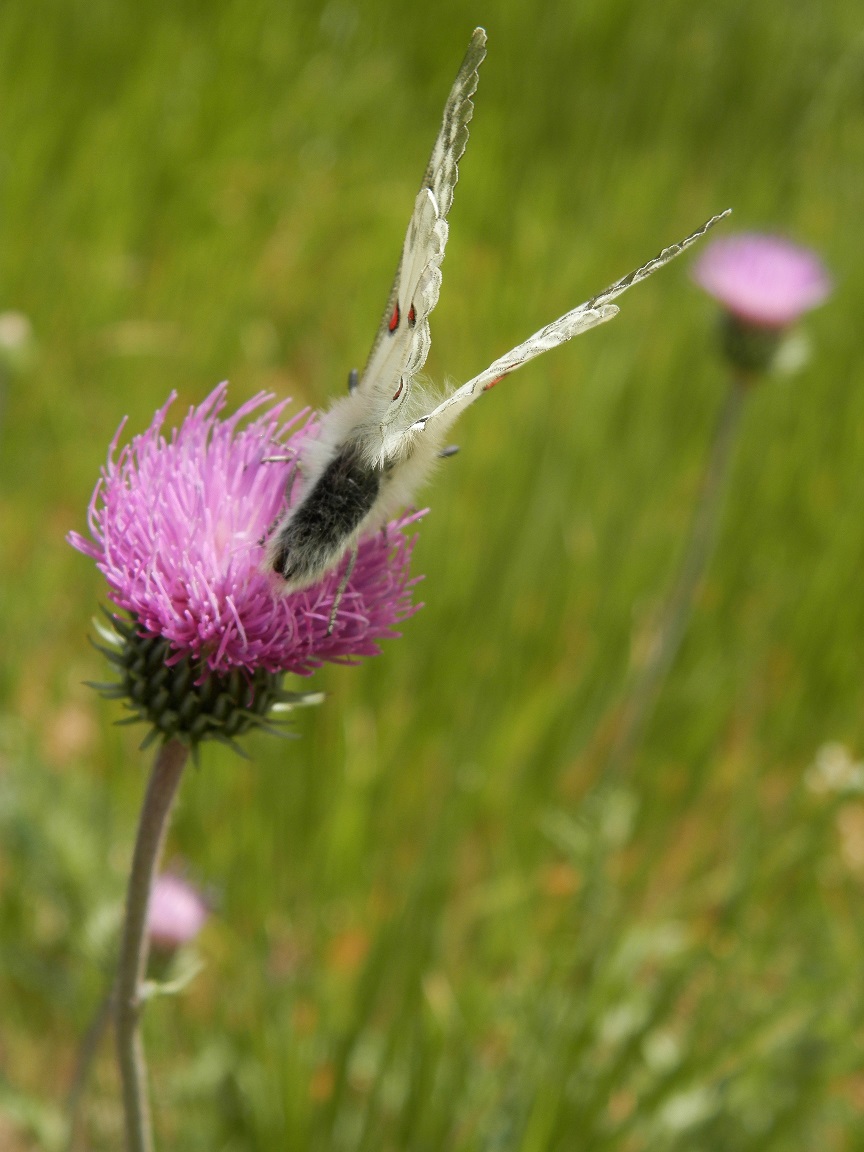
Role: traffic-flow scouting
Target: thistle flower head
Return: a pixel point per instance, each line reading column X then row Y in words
column 763, row 280
column 178, row 525
column 176, row 914
column 765, row 284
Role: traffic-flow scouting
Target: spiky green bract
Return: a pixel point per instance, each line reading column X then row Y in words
column 179, row 698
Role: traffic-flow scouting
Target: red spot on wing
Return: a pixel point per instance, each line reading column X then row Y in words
column 412, row 317
column 398, row 391
column 394, row 319
column 492, row 383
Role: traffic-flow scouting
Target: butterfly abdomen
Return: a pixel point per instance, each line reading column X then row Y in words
column 322, row 526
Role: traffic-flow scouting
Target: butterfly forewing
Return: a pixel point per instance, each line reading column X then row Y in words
column 401, row 345
column 588, row 315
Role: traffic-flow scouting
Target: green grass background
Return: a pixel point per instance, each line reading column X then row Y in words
column 430, row 933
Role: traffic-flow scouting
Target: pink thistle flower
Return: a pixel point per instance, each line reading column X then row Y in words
column 178, row 525
column 176, row 914
column 762, row 280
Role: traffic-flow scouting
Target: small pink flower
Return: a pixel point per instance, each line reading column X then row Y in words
column 177, row 525
column 762, row 280
column 177, row 913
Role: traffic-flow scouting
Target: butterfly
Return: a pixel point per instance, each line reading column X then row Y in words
column 376, row 445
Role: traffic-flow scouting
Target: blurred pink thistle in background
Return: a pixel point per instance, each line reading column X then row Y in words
column 763, row 280
column 765, row 284
column 176, row 914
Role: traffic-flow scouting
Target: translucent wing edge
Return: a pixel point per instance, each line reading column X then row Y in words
column 442, row 171
column 655, row 264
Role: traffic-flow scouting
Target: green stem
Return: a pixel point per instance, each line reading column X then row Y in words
column 134, row 949
column 676, row 614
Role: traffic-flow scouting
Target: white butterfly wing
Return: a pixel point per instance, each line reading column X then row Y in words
column 588, row 315
column 402, row 343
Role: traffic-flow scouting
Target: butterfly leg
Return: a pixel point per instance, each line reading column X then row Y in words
column 353, row 380
column 292, row 476
column 289, row 488
column 340, row 591
column 279, row 459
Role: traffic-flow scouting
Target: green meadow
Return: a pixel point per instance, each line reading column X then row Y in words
column 434, row 926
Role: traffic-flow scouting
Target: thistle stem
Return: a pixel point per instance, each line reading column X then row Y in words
column 678, row 608
column 152, row 826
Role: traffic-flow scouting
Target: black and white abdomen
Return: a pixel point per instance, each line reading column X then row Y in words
column 322, row 526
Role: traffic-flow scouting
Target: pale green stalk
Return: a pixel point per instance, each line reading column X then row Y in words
column 649, row 681
column 152, row 826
